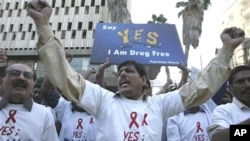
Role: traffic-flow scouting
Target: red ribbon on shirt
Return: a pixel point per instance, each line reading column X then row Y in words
column 198, row 125
column 91, row 120
column 79, row 123
column 144, row 122
column 11, row 116
column 133, row 117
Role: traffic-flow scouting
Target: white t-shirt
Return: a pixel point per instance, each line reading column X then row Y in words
column 191, row 126
column 122, row 119
column 76, row 126
column 229, row 114
column 17, row 123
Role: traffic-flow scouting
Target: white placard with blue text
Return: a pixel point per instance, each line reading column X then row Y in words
column 149, row 44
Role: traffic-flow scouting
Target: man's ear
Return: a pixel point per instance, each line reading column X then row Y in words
column 144, row 79
column 230, row 88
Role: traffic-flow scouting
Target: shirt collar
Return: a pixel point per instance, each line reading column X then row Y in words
column 240, row 104
column 28, row 103
column 186, row 112
column 143, row 96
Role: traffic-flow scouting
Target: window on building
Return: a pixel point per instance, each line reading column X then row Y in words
column 13, row 36
column 63, row 34
column 2, row 27
column 11, row 28
column 90, row 26
column 20, row 27
column 19, row 12
column 66, row 12
column 57, row 11
column 73, row 34
column 63, row 3
column 33, row 35
column 84, row 34
column 4, row 36
column 7, row 6
column 10, row 12
column 79, row 63
column 82, row 3
column 23, row 35
column 97, row 9
column 53, row 3
column 25, row 5
column 16, row 5
column 69, row 26
column 29, row 27
column 103, row 3
column 86, row 10
column 1, row 13
column 76, row 10
column 72, row 3
column 59, row 26
column 79, row 26
column 92, row 3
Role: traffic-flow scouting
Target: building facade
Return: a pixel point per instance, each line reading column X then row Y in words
column 238, row 14
column 72, row 21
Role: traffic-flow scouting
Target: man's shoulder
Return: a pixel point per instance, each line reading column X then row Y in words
column 40, row 108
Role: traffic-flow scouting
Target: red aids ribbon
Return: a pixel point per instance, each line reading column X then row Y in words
column 91, row 120
column 144, row 122
column 79, row 123
column 11, row 116
column 133, row 117
column 198, row 125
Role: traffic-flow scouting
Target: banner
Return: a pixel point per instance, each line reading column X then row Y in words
column 149, row 44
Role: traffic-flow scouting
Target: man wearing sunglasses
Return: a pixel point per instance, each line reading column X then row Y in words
column 21, row 118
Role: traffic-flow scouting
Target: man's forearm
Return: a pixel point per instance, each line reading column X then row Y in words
column 58, row 69
column 208, row 82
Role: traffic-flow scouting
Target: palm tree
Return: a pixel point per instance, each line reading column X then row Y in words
column 154, row 70
column 192, row 16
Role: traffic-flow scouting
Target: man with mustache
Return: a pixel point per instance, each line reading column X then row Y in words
column 129, row 114
column 236, row 112
column 21, row 118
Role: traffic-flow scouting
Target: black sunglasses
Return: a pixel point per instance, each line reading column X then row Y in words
column 17, row 73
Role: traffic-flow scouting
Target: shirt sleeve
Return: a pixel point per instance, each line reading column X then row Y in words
column 220, row 120
column 51, row 52
column 172, row 129
column 50, row 133
column 208, row 81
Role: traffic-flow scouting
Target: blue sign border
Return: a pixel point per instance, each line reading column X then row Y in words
column 149, row 44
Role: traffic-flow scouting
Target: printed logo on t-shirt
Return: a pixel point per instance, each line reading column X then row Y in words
column 79, row 132
column 9, row 129
column 199, row 136
column 135, row 124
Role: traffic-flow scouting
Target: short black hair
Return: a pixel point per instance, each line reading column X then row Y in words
column 235, row 71
column 139, row 67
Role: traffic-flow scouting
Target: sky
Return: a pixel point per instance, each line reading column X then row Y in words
column 141, row 12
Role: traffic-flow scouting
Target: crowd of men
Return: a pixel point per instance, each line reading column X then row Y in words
column 87, row 111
